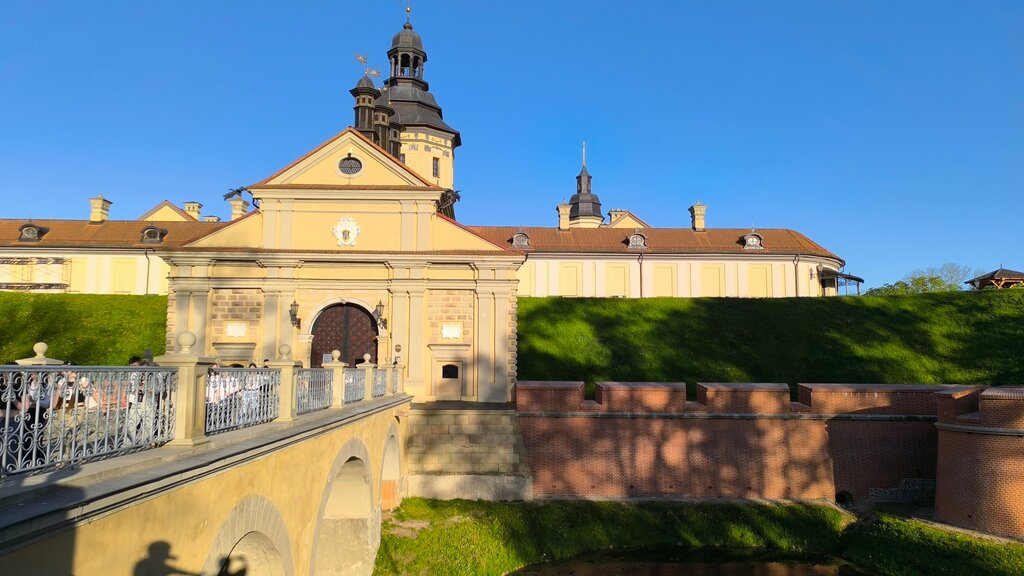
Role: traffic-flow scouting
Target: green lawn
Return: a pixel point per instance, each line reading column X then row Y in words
column 960, row 338
column 480, row 538
column 83, row 328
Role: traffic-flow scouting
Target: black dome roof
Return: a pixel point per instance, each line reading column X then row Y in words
column 407, row 38
column 365, row 82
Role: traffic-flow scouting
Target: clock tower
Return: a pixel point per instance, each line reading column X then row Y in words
column 427, row 142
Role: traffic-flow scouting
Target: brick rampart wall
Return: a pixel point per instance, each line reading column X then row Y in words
column 980, row 482
column 736, row 440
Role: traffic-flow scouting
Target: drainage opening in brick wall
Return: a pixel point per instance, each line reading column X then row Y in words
column 844, row 499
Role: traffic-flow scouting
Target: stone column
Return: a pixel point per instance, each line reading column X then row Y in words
column 367, row 376
column 337, row 378
column 40, row 358
column 271, row 307
column 190, row 404
column 289, row 397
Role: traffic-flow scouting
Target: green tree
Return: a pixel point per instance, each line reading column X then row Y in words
column 949, row 277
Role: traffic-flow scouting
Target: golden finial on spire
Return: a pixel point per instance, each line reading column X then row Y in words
column 408, row 8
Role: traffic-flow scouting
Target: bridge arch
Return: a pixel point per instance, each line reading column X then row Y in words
column 348, row 524
column 253, row 536
column 391, row 471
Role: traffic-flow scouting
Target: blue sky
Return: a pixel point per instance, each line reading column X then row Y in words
column 892, row 133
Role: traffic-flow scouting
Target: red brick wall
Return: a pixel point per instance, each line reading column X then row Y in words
column 645, row 440
column 980, row 470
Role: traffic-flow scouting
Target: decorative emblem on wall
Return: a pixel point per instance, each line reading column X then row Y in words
column 346, row 231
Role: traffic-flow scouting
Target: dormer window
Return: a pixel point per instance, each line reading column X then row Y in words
column 153, row 235
column 752, row 241
column 637, row 241
column 30, row 233
column 521, row 240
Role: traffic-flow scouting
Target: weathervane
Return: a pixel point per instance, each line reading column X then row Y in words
column 367, row 69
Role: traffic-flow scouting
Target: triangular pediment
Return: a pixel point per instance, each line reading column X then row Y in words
column 321, row 167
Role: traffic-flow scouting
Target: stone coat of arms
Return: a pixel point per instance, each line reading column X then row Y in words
column 346, row 231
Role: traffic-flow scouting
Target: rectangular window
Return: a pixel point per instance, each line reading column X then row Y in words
column 437, row 167
column 401, row 158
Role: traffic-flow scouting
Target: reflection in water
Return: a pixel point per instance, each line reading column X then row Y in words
column 703, row 562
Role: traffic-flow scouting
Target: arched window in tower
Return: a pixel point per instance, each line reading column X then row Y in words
column 437, row 167
column 406, row 64
column 416, row 66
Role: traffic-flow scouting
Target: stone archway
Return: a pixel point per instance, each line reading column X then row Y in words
column 253, row 554
column 346, row 327
column 348, row 530
column 253, row 537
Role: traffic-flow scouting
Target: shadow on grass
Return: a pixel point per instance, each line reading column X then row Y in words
column 962, row 338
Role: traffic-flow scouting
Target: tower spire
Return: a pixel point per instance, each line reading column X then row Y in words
column 584, row 153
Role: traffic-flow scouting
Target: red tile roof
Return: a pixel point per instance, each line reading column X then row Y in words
column 108, row 234
column 659, row 240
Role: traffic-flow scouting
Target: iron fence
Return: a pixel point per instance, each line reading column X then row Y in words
column 355, row 385
column 315, row 389
column 380, row 382
column 240, row 397
column 57, row 415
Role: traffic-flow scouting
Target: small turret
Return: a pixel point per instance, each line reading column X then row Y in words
column 584, row 206
column 366, row 95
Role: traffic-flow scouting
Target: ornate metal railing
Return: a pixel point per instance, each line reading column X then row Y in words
column 315, row 389
column 355, row 385
column 56, row 415
column 380, row 382
column 395, row 375
column 240, row 397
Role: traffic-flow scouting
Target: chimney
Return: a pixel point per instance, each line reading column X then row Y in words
column 697, row 216
column 99, row 209
column 563, row 216
column 193, row 208
column 239, row 207
column 211, row 218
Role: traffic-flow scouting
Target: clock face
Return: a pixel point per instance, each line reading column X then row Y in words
column 752, row 241
column 350, row 165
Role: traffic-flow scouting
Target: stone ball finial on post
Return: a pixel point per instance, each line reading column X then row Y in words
column 335, row 355
column 186, row 340
column 40, row 349
column 284, row 352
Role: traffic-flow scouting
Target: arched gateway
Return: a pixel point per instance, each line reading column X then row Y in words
column 347, row 328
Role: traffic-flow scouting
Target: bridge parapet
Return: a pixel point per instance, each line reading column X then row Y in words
column 54, row 415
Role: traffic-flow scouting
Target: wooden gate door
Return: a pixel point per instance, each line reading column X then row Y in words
column 347, row 328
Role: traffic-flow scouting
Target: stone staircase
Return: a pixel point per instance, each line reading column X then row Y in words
column 456, row 450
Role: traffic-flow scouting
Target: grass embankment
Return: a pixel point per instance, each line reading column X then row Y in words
column 480, row 538
column 956, row 338
column 87, row 329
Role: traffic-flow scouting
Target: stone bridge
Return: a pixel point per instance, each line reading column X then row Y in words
column 302, row 494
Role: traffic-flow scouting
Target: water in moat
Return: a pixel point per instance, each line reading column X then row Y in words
column 688, row 562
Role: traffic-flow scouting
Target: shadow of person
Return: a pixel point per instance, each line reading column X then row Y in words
column 157, row 563
column 225, row 567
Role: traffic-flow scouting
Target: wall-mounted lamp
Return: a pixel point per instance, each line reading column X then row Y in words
column 293, row 313
column 378, row 315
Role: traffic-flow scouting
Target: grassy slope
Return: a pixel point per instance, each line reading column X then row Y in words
column 495, row 537
column 480, row 538
column 962, row 338
column 86, row 329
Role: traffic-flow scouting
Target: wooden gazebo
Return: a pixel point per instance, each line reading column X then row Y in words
column 1001, row 278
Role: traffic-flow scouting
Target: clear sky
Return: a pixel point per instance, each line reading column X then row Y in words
column 892, row 133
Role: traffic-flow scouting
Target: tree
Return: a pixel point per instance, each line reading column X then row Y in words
column 950, row 273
